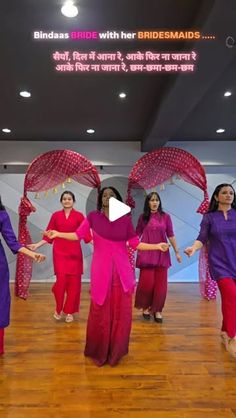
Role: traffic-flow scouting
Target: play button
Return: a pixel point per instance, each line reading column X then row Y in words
column 121, row 184
column 117, row 209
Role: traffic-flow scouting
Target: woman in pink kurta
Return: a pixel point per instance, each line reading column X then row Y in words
column 67, row 258
column 112, row 280
column 154, row 225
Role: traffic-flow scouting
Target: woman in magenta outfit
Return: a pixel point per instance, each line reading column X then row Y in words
column 154, row 225
column 11, row 241
column 218, row 231
column 112, row 280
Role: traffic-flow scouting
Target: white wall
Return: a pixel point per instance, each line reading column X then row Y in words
column 209, row 153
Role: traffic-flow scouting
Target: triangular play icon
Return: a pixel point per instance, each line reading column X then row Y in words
column 117, row 209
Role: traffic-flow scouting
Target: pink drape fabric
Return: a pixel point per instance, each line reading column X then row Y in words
column 160, row 165
column 46, row 172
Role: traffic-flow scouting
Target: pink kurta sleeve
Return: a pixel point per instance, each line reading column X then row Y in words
column 132, row 237
column 88, row 237
column 83, row 232
column 134, row 242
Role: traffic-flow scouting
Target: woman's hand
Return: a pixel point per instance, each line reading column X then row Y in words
column 51, row 233
column 32, row 247
column 38, row 257
column 178, row 257
column 189, row 251
column 163, row 246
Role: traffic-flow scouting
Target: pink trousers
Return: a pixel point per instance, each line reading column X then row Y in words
column 109, row 326
column 67, row 290
column 152, row 289
column 1, row 341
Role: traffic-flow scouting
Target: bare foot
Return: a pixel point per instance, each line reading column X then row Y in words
column 231, row 347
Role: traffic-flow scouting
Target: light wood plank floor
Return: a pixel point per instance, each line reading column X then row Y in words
column 175, row 370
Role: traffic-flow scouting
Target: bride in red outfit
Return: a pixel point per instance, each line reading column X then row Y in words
column 67, row 258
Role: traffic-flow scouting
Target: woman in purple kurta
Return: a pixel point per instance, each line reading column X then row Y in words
column 218, row 232
column 154, row 225
column 11, row 241
column 112, row 280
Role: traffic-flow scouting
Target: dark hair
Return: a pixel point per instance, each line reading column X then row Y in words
column 146, row 208
column 67, row 192
column 118, row 196
column 213, row 206
column 1, row 205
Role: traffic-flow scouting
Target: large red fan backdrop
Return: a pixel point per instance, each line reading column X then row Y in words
column 156, row 167
column 46, row 172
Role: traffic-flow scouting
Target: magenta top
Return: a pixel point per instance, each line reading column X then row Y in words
column 110, row 241
column 158, row 229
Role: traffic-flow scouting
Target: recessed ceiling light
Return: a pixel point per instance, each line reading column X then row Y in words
column 220, row 131
column 69, row 9
column 122, row 95
column 90, row 131
column 227, row 93
column 25, row 94
column 6, row 130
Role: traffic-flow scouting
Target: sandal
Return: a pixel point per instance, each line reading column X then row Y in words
column 69, row 318
column 146, row 314
column 158, row 317
column 56, row 316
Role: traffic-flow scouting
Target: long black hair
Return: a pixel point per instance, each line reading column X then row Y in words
column 67, row 192
column 146, row 208
column 213, row 206
column 1, row 205
column 117, row 194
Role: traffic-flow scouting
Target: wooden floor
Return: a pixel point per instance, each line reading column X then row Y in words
column 175, row 370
